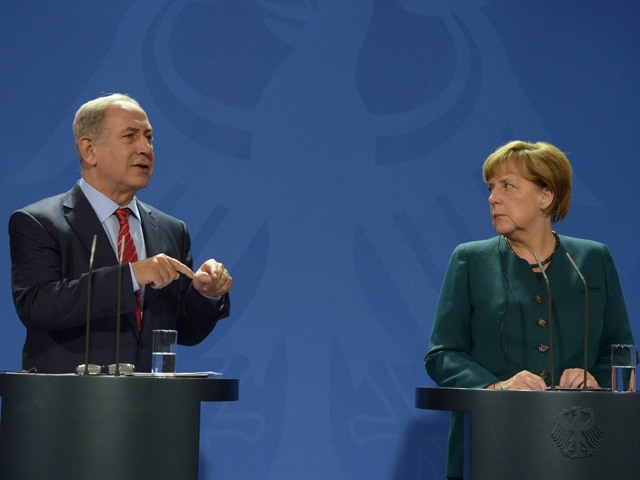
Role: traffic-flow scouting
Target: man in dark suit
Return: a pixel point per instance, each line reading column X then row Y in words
column 51, row 247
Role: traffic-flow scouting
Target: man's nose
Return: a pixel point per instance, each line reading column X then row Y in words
column 145, row 145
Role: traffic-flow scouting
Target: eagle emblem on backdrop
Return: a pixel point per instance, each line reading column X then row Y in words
column 576, row 432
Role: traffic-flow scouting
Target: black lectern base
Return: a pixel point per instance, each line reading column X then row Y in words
column 524, row 435
column 80, row 427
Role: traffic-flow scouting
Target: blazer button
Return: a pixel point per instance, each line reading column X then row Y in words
column 543, row 374
column 541, row 322
column 542, row 348
column 538, row 299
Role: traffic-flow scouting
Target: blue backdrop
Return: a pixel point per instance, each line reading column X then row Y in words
column 329, row 153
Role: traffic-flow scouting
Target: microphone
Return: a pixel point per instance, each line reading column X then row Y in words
column 586, row 319
column 118, row 308
column 88, row 331
column 546, row 279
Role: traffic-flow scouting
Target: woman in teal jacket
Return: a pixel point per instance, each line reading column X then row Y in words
column 491, row 328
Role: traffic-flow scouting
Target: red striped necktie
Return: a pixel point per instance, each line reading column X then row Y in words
column 129, row 253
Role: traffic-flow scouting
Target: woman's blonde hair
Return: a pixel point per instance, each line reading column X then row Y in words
column 540, row 163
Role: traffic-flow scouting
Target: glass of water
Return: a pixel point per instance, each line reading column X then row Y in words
column 163, row 361
column 623, row 368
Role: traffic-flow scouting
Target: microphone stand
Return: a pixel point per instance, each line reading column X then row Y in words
column 586, row 319
column 118, row 308
column 88, row 326
column 551, row 362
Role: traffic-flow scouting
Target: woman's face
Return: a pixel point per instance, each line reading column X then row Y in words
column 517, row 204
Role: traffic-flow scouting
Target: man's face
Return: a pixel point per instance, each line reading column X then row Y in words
column 123, row 156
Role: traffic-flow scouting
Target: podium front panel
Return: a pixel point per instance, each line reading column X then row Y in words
column 80, row 427
column 545, row 434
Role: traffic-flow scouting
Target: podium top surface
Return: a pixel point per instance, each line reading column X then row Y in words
column 197, row 389
column 467, row 399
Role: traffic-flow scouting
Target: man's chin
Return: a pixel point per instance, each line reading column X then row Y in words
column 141, row 180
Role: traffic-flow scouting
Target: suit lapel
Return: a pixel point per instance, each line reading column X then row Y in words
column 150, row 230
column 83, row 220
column 151, row 234
column 85, row 223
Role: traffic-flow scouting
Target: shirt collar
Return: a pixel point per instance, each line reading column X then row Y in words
column 103, row 205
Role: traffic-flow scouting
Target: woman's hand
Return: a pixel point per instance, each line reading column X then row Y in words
column 523, row 380
column 574, row 378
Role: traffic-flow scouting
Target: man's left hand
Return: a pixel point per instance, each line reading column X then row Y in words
column 212, row 279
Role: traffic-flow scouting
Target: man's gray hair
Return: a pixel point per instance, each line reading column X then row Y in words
column 89, row 119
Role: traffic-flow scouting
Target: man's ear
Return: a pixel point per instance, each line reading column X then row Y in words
column 87, row 149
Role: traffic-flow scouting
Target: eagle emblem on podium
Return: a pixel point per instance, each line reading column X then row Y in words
column 576, row 432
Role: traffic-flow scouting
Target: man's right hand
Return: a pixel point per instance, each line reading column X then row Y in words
column 159, row 271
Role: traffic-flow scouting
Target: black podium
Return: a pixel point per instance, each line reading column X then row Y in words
column 526, row 435
column 84, row 427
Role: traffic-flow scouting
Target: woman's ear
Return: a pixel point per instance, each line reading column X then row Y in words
column 545, row 198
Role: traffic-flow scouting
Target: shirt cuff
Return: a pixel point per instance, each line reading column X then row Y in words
column 136, row 287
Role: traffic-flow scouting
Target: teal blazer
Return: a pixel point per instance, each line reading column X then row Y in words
column 492, row 319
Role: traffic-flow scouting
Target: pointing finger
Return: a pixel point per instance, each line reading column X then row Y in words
column 181, row 267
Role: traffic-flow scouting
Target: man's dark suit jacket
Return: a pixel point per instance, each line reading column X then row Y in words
column 50, row 250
